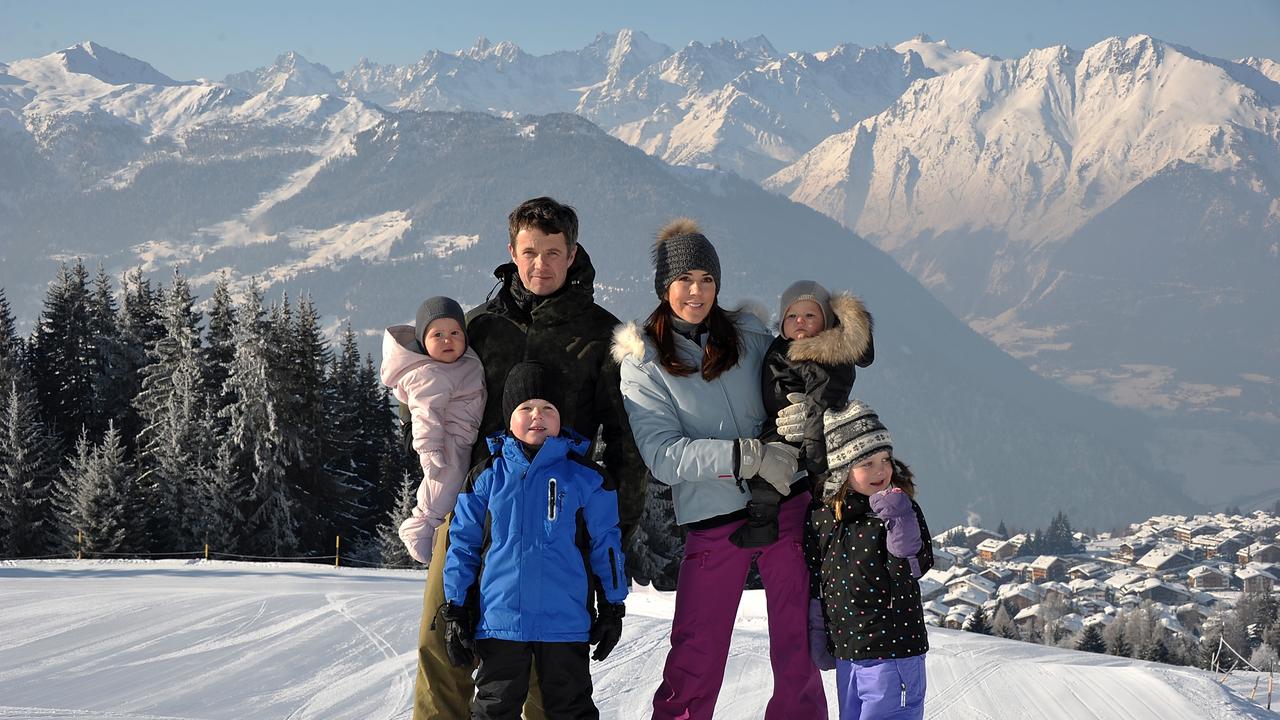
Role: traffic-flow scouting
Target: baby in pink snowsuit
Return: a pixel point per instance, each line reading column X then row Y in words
column 431, row 369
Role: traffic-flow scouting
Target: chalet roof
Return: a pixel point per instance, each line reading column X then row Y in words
column 1202, row 570
column 1044, row 562
column 1250, row 571
column 966, row 593
column 1084, row 585
column 1163, row 556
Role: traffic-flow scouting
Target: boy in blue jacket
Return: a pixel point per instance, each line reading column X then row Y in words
column 534, row 537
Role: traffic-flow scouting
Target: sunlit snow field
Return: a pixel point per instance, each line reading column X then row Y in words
column 111, row 640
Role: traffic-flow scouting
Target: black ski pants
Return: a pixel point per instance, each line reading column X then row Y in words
column 502, row 679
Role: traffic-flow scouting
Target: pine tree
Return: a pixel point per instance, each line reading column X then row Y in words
column 172, row 450
column 1154, row 650
column 62, row 357
column 114, row 381
column 94, row 495
column 1059, row 539
column 1091, row 640
column 1002, row 530
column 257, row 443
column 220, row 348
column 140, row 329
column 219, row 522
column 1119, row 646
column 377, row 455
column 978, row 623
column 391, row 549
column 1003, row 625
column 29, row 459
column 10, row 344
column 309, row 437
column 656, row 548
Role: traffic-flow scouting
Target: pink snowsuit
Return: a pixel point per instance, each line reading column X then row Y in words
column 446, row 401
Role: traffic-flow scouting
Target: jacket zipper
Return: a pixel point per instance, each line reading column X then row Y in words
column 551, row 500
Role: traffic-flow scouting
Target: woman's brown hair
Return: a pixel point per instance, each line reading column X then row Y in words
column 721, row 352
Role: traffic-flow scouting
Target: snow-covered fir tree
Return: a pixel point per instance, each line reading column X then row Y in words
column 657, row 546
column 323, row 503
column 219, row 348
column 978, row 623
column 1002, row 624
column 95, row 499
column 29, row 461
column 344, row 401
column 377, row 455
column 114, row 379
column 171, row 449
column 218, row 521
column 1091, row 640
column 61, row 356
column 140, row 329
column 255, row 437
column 10, row 343
column 391, row 549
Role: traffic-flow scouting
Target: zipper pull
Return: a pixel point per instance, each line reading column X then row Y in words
column 904, row 694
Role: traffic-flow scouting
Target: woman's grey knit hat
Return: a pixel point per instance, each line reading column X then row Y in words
column 681, row 248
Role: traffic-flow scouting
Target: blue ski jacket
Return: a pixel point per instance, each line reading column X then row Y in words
column 531, row 534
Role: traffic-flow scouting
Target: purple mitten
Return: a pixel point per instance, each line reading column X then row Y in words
column 901, row 526
column 822, row 657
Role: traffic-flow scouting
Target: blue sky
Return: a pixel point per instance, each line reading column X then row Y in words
column 211, row 39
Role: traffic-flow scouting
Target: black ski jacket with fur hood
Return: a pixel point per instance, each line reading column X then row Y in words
column 821, row 367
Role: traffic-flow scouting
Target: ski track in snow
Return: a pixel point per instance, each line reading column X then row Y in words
column 194, row 640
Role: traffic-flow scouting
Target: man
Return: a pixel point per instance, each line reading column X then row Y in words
column 543, row 311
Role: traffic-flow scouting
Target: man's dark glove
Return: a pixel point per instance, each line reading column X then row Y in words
column 761, row 527
column 459, row 634
column 607, row 629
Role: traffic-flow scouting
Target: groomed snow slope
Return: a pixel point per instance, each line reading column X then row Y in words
column 102, row 640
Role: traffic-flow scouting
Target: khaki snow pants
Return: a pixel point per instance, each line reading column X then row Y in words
column 442, row 691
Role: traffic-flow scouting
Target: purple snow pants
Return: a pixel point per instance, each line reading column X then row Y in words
column 876, row 689
column 707, row 596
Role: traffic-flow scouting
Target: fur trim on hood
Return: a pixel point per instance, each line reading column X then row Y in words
column 678, row 227
column 629, row 337
column 844, row 343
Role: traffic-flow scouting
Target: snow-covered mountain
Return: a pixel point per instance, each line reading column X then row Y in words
column 358, row 206
column 291, row 74
column 738, row 105
column 169, row 639
column 938, row 55
column 1110, row 215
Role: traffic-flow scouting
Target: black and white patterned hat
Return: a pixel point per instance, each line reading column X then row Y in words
column 851, row 433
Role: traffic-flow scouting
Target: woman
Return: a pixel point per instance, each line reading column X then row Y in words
column 691, row 387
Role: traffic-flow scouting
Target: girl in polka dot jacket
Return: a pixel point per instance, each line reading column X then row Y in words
column 867, row 543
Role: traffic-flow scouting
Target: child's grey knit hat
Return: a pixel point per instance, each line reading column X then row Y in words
column 434, row 308
column 852, row 433
column 806, row 290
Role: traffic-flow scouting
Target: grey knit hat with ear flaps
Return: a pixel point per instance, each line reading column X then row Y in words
column 681, row 248
column 806, row 290
column 852, row 433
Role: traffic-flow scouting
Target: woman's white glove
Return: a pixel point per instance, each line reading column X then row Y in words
column 791, row 419
column 774, row 462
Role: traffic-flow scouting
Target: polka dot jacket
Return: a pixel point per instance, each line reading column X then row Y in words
column 869, row 598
